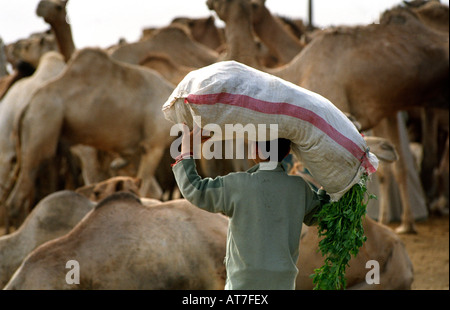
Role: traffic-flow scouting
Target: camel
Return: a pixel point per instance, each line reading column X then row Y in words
column 382, row 245
column 98, row 191
column 22, row 70
column 171, row 245
column 350, row 65
column 203, row 30
column 200, row 238
column 24, row 56
column 54, row 216
column 50, row 66
column 169, row 40
column 441, row 181
column 166, row 66
column 54, row 13
column 274, row 34
column 31, row 49
column 431, row 13
column 99, row 102
column 96, row 165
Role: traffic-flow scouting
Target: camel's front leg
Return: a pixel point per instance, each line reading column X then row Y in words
column 38, row 132
column 407, row 178
column 147, row 167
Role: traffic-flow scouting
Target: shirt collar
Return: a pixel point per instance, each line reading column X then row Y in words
column 270, row 166
column 265, row 166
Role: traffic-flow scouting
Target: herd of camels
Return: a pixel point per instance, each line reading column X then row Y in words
column 71, row 117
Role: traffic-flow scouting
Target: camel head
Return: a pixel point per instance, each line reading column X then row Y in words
column 258, row 8
column 382, row 148
column 31, row 49
column 52, row 11
column 398, row 15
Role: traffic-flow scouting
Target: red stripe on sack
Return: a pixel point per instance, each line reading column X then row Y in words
column 284, row 108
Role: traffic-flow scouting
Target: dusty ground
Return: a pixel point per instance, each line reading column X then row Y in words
column 429, row 253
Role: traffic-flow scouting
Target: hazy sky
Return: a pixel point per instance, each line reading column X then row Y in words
column 103, row 22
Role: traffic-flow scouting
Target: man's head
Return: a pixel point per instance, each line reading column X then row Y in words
column 274, row 150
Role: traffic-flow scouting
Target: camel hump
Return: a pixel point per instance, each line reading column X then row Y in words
column 119, row 197
column 89, row 54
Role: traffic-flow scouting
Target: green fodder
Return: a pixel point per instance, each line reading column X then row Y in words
column 340, row 223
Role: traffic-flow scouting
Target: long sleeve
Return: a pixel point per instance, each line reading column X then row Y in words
column 206, row 193
column 310, row 218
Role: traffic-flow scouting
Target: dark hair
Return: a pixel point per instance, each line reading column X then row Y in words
column 283, row 147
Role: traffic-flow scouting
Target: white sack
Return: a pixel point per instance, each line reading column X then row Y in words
column 323, row 138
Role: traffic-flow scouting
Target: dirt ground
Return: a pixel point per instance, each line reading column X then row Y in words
column 429, row 253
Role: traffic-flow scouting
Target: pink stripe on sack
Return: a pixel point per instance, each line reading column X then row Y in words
column 283, row 108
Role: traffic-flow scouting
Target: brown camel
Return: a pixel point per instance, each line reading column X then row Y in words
column 13, row 103
column 54, row 13
column 165, row 65
column 24, row 56
column 350, row 66
column 54, row 216
column 280, row 41
column 122, row 244
column 170, row 40
column 110, row 105
column 203, row 30
column 199, row 237
column 31, row 49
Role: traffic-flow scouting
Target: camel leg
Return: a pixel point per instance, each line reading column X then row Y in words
column 147, row 167
column 430, row 150
column 406, row 176
column 385, row 183
column 39, row 131
column 90, row 166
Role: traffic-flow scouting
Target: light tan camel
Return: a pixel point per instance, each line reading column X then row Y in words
column 31, row 49
column 54, row 216
column 122, row 244
column 383, row 246
column 15, row 101
column 165, row 65
column 100, row 102
column 24, row 56
column 204, row 31
column 98, row 191
column 173, row 41
column 350, row 65
column 54, row 13
column 281, row 42
column 198, row 240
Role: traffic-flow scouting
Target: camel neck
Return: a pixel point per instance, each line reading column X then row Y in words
column 276, row 38
column 240, row 40
column 64, row 38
